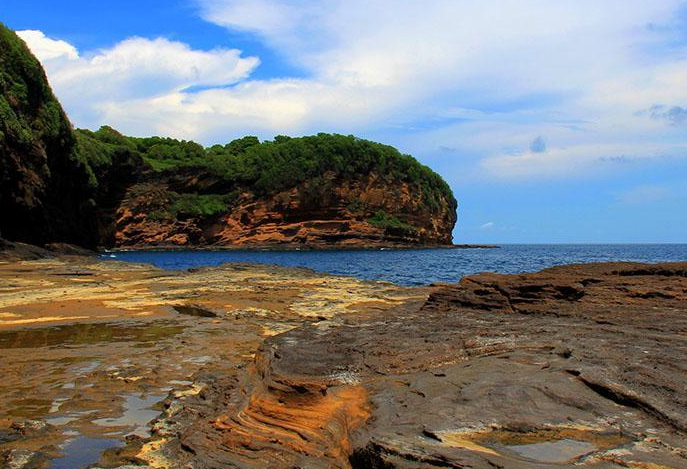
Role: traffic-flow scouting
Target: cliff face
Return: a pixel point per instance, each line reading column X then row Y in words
column 43, row 187
column 366, row 211
column 104, row 189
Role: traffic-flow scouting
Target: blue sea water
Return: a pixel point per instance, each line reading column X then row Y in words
column 422, row 266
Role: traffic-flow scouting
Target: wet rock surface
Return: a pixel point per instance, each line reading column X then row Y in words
column 576, row 365
column 93, row 351
column 572, row 366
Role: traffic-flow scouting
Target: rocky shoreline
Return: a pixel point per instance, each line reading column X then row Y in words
column 580, row 365
column 291, row 247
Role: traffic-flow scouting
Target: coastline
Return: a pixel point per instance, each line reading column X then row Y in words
column 266, row 353
column 291, row 248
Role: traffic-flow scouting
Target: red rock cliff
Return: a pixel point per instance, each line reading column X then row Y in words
column 368, row 211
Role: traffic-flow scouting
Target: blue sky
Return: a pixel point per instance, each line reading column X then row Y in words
column 553, row 121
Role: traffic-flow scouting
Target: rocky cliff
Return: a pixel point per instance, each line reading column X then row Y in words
column 44, row 188
column 364, row 211
column 103, row 189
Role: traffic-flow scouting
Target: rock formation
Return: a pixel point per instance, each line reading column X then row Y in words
column 576, row 366
column 573, row 365
column 103, row 189
column 300, row 217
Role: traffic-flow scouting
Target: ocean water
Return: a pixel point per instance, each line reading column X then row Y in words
column 418, row 267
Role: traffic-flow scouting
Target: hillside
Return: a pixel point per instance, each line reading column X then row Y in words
column 105, row 189
column 44, row 189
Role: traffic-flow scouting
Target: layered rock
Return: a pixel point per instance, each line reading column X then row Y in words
column 301, row 217
column 578, row 365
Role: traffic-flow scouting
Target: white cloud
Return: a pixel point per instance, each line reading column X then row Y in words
column 135, row 71
column 48, row 49
column 487, row 226
column 491, row 75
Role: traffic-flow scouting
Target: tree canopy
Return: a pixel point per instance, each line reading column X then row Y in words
column 273, row 165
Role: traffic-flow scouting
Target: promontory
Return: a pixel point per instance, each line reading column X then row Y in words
column 104, row 189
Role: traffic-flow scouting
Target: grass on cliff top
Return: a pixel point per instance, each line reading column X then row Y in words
column 271, row 166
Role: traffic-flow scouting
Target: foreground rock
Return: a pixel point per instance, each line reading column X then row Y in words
column 572, row 366
column 92, row 351
column 249, row 366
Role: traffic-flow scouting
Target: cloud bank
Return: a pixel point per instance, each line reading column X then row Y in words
column 531, row 88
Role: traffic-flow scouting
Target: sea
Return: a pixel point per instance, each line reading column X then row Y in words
column 417, row 266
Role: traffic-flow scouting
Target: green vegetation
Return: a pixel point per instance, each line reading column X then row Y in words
column 272, row 166
column 285, row 162
column 29, row 112
column 194, row 205
column 391, row 224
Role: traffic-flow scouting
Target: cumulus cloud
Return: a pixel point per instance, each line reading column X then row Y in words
column 135, row 72
column 487, row 75
column 48, row 49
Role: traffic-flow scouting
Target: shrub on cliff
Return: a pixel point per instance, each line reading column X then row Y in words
column 391, row 225
column 194, row 205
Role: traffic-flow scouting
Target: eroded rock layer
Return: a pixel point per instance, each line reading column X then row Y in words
column 301, row 217
column 573, row 366
column 92, row 351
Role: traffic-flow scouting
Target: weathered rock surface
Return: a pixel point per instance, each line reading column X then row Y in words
column 572, row 366
column 300, row 217
column 576, row 366
column 91, row 349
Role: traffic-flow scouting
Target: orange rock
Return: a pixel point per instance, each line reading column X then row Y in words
column 295, row 218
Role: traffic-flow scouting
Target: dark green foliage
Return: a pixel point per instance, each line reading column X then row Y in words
column 357, row 207
column 235, row 147
column 45, row 190
column 168, row 153
column 195, row 205
column 285, row 162
column 28, row 109
column 391, row 224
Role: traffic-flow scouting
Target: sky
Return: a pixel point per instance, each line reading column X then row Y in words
column 553, row 122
